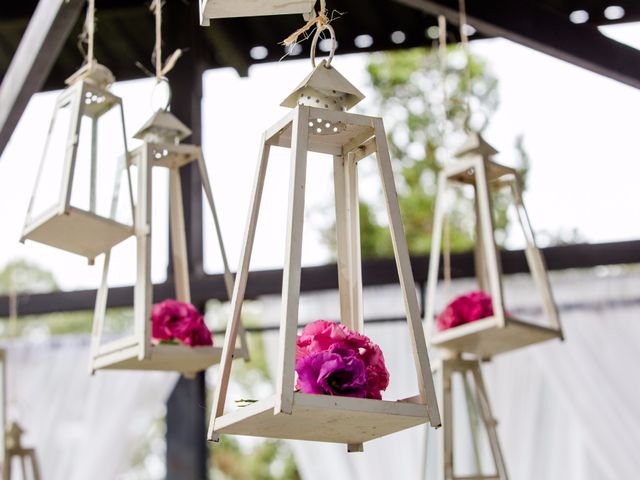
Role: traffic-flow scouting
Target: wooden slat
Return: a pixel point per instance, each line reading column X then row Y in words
column 41, row 43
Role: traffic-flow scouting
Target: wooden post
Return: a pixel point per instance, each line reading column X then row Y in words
column 187, row 451
column 292, row 263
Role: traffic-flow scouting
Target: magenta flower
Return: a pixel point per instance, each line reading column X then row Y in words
column 320, row 337
column 337, row 371
column 172, row 319
column 466, row 308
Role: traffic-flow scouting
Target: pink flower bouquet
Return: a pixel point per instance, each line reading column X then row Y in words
column 331, row 359
column 172, row 321
column 466, row 308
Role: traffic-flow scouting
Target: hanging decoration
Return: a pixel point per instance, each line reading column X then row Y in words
column 478, row 406
column 251, row 8
column 170, row 335
column 26, row 457
column 499, row 332
column 319, row 122
column 82, row 201
column 11, row 447
column 477, row 322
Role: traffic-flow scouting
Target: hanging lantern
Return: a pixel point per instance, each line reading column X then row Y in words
column 501, row 331
column 161, row 149
column 319, row 123
column 478, row 407
column 251, row 8
column 26, row 456
column 81, row 203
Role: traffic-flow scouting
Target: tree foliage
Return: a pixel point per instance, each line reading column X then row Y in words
column 424, row 125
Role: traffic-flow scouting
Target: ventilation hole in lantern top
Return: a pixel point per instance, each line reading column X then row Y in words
column 319, row 120
column 319, row 130
column 259, row 52
column 326, row 106
column 363, row 41
column 614, row 12
column 335, row 129
column 327, row 124
column 579, row 16
column 398, row 37
column 311, row 124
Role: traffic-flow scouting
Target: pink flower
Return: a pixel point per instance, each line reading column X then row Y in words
column 466, row 308
column 337, row 371
column 172, row 319
column 322, row 336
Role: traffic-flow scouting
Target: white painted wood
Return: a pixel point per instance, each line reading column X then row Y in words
column 323, row 418
column 239, row 290
column 348, row 242
column 535, row 260
column 486, row 337
column 405, row 274
column 292, row 263
column 71, row 149
column 99, row 313
column 78, row 231
column 491, row 257
column 251, row 8
column 143, row 290
column 3, row 406
column 434, row 254
column 490, row 423
column 178, row 238
column 242, row 349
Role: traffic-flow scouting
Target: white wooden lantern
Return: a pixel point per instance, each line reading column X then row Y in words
column 3, row 414
column 319, row 123
column 162, row 149
column 502, row 332
column 251, row 8
column 77, row 203
column 477, row 401
column 26, row 457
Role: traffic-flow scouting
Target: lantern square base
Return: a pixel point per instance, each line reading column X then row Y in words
column 174, row 358
column 253, row 8
column 78, row 231
column 486, row 338
column 323, row 418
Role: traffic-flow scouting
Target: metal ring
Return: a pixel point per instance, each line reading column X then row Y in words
column 164, row 106
column 334, row 44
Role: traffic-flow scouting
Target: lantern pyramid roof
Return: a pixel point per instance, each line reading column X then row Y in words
column 164, row 123
column 326, row 79
column 475, row 145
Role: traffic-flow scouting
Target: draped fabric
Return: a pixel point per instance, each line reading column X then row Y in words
column 83, row 427
column 566, row 410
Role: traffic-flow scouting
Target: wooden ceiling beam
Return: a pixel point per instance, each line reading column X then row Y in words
column 546, row 31
column 41, row 43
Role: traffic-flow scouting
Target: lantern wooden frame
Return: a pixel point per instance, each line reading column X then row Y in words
column 250, row 8
column 137, row 352
column 294, row 415
column 27, row 456
column 501, row 332
column 63, row 225
column 477, row 393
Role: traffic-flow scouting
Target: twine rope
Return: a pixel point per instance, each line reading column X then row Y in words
column 462, row 9
column 320, row 20
column 161, row 69
column 87, row 34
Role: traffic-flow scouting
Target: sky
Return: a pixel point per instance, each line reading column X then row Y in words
column 580, row 130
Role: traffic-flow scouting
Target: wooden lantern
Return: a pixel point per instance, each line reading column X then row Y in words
column 25, row 456
column 161, row 149
column 502, row 332
column 76, row 204
column 477, row 400
column 251, row 8
column 319, row 123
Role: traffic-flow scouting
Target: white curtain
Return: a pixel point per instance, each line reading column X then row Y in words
column 83, row 427
column 566, row 410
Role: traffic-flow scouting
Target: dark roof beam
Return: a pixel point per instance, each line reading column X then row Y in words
column 39, row 48
column 545, row 31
